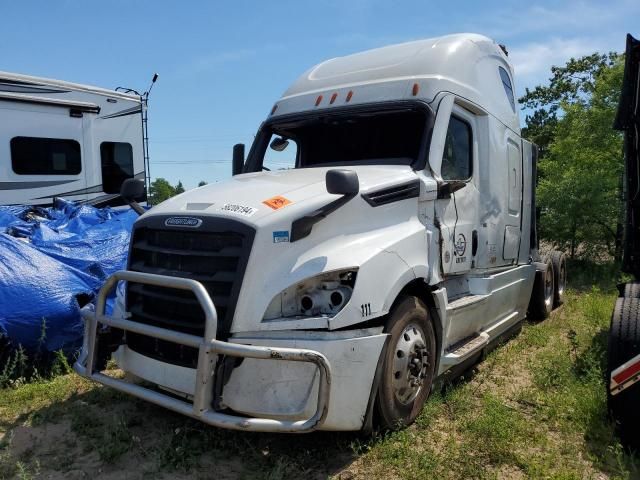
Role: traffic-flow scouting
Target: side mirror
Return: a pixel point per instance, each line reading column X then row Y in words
column 130, row 190
column 339, row 182
column 342, row 182
column 279, row 144
column 238, row 159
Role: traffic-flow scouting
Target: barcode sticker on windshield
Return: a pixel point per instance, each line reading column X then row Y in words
column 239, row 209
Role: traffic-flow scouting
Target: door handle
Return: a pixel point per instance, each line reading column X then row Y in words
column 474, row 243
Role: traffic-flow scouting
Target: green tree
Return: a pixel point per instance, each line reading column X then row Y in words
column 202, row 183
column 160, row 190
column 179, row 188
column 569, row 84
column 580, row 168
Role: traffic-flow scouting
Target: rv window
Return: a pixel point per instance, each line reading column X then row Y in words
column 45, row 156
column 457, row 158
column 508, row 88
column 117, row 165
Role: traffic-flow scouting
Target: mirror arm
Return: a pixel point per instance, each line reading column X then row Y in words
column 338, row 181
column 301, row 227
column 135, row 206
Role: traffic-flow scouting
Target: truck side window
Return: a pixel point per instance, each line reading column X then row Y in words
column 281, row 153
column 508, row 88
column 456, row 159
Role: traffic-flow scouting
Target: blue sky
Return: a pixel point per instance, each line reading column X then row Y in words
column 222, row 65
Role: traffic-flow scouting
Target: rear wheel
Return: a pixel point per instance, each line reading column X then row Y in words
column 559, row 277
column 542, row 295
column 408, row 366
column 632, row 290
column 624, row 344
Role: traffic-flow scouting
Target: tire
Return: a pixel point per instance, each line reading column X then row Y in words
column 624, row 344
column 631, row 290
column 542, row 295
column 559, row 262
column 403, row 389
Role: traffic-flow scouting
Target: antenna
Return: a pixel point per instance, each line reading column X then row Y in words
column 145, row 133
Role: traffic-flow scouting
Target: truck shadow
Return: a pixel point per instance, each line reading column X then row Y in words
column 102, row 434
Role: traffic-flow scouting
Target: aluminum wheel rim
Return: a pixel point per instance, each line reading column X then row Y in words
column 410, row 364
column 548, row 287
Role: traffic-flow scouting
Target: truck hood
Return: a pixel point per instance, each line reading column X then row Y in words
column 252, row 197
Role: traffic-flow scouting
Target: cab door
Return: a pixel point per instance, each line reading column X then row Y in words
column 456, row 206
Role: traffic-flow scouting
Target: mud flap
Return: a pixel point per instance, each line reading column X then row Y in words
column 367, row 424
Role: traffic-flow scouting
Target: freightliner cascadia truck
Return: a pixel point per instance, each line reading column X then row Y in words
column 379, row 235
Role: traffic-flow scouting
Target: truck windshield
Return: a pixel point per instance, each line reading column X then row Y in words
column 383, row 137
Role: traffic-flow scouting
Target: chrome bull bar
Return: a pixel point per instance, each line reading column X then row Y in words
column 208, row 350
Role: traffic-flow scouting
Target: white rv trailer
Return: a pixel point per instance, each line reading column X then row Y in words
column 380, row 234
column 61, row 139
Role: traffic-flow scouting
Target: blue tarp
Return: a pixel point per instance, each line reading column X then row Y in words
column 52, row 261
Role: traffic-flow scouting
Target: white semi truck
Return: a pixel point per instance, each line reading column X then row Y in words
column 379, row 235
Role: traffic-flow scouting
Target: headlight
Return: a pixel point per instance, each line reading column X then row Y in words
column 322, row 295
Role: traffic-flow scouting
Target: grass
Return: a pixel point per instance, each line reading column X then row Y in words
column 534, row 408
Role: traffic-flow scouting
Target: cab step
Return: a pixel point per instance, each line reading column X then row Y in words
column 466, row 301
column 464, row 349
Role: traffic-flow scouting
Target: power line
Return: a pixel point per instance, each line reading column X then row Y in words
column 189, row 162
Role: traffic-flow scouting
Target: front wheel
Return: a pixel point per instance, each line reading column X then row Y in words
column 409, row 364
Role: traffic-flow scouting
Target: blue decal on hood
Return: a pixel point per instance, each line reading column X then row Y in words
column 281, row 236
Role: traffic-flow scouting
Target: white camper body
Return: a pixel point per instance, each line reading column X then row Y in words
column 61, row 139
column 316, row 308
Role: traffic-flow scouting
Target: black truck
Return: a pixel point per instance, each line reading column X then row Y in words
column 623, row 372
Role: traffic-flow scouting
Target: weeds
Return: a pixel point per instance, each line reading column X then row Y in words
column 20, row 367
column 15, row 368
column 27, row 472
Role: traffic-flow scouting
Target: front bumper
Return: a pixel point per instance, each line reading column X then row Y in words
column 208, row 350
